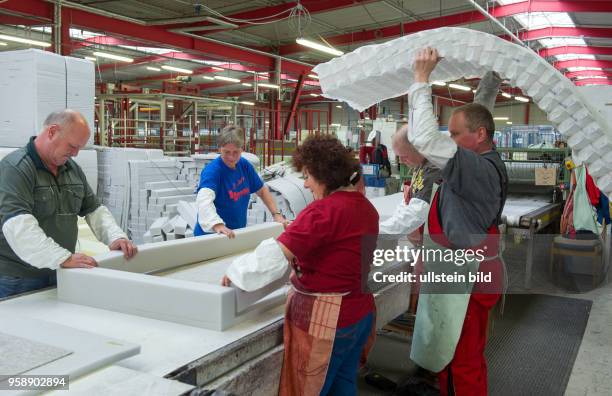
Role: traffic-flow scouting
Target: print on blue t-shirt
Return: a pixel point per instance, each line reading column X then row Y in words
column 232, row 188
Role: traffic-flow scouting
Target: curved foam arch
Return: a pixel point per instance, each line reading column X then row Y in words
column 373, row 73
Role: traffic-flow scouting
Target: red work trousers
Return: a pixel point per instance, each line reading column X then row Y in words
column 466, row 374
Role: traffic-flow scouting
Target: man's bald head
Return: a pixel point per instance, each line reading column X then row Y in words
column 402, row 147
column 65, row 119
column 64, row 133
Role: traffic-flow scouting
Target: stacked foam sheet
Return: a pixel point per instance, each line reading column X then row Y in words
column 37, row 83
column 114, row 178
column 154, row 191
column 168, row 228
column 374, row 73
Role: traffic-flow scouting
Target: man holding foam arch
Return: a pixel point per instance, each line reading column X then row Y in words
column 450, row 329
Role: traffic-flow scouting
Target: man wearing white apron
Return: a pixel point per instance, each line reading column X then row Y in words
column 450, row 329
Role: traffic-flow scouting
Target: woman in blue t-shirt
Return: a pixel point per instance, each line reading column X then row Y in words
column 225, row 187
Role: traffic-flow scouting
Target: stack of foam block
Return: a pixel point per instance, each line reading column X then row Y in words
column 37, row 83
column 113, row 177
column 154, row 192
column 175, row 225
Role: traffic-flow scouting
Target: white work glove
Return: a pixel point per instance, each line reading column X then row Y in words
column 207, row 213
column 406, row 218
column 104, row 226
column 31, row 244
column 259, row 268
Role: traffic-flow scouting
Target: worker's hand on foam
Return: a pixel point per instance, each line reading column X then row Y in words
column 78, row 260
column 127, row 247
column 226, row 281
column 222, row 229
column 424, row 63
column 279, row 218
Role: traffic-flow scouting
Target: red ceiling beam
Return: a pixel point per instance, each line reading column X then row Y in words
column 575, row 49
column 313, row 7
column 17, row 20
column 564, row 6
column 583, row 63
column 461, row 19
column 557, row 31
column 596, row 81
column 38, row 8
column 392, row 31
column 586, row 73
column 106, row 40
column 152, row 34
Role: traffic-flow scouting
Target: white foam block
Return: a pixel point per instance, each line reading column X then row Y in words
column 166, row 298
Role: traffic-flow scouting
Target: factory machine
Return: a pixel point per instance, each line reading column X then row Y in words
column 538, row 184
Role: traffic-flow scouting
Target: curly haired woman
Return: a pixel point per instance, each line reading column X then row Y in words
column 329, row 318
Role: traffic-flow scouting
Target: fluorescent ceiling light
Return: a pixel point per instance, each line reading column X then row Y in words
column 266, row 85
column 438, row 83
column 504, row 2
column 460, row 87
column 153, row 68
column 246, row 84
column 3, row 43
column 562, row 42
column 319, row 47
column 334, row 125
column 25, row 41
column 247, row 103
column 313, row 94
column 473, row 90
column 581, row 68
column 113, row 57
column 267, row 122
column 217, row 68
column 313, row 76
column 585, row 77
column 208, row 78
column 148, row 50
column 501, row 118
column 90, row 58
column 177, row 69
column 509, row 122
column 521, row 99
column 539, row 20
column 229, row 79
column 506, row 95
column 338, row 106
column 564, row 57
